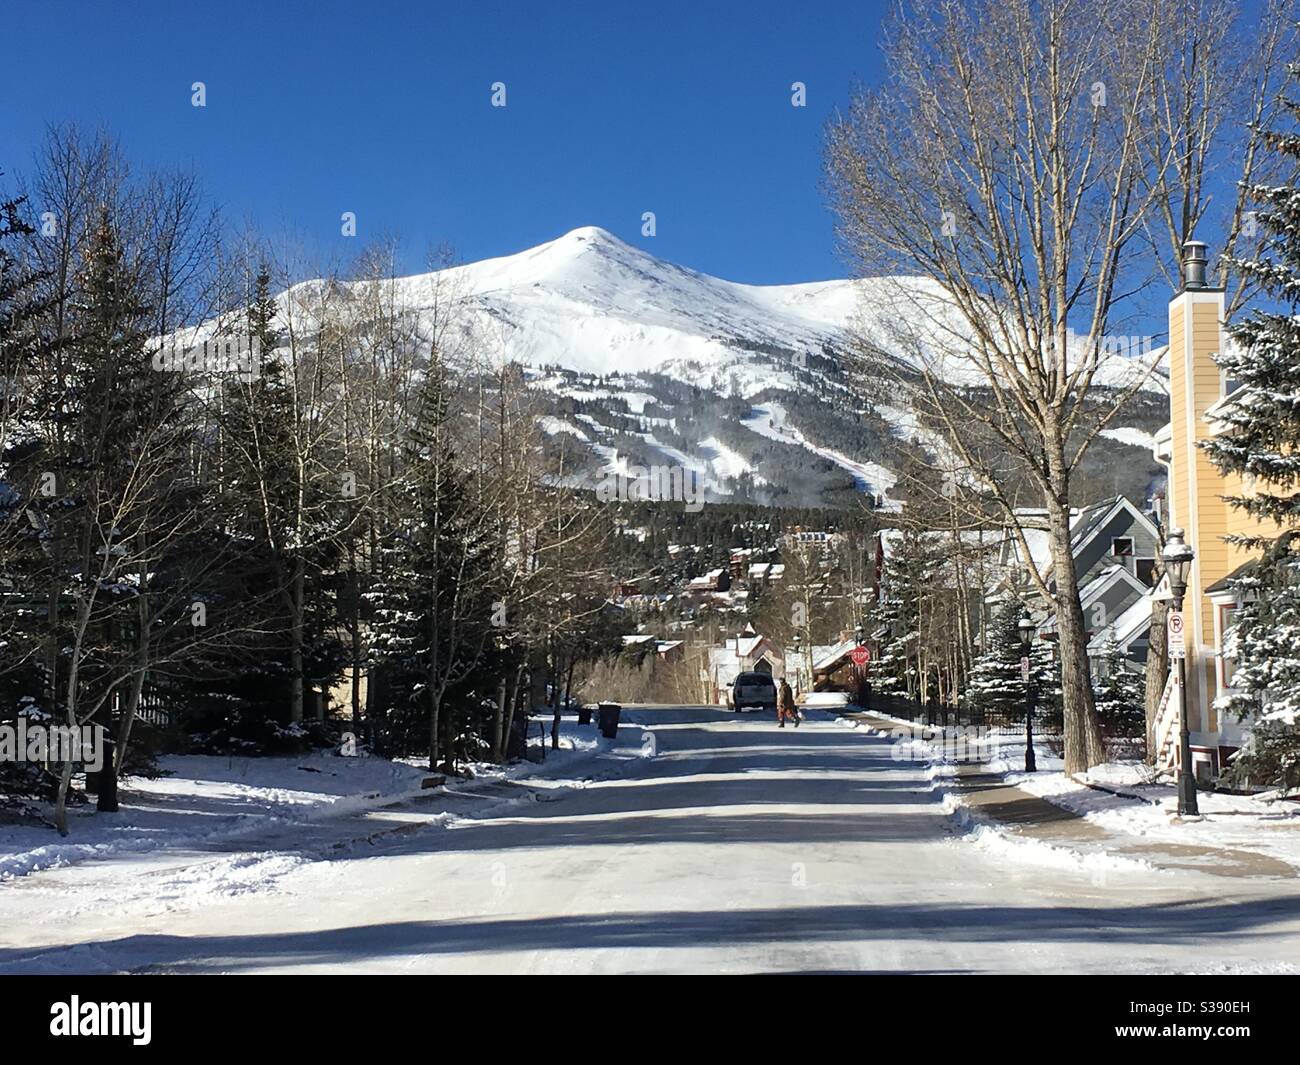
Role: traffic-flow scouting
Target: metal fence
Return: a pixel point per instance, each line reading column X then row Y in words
column 1047, row 720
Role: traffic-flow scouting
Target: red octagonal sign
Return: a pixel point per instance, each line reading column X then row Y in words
column 860, row 656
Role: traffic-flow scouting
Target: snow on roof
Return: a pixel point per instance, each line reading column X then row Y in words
column 1131, row 624
column 1096, row 587
column 827, row 657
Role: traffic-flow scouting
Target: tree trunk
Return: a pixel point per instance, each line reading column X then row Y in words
column 449, row 741
column 1157, row 671
column 556, row 687
column 434, row 722
column 356, row 669
column 499, row 721
column 1082, row 734
column 521, row 710
column 128, row 720
column 61, row 799
column 518, row 688
column 296, row 630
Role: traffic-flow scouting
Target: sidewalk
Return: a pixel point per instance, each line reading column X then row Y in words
column 1048, row 810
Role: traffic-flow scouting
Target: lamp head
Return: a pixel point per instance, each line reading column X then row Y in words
column 1177, row 557
column 1025, row 626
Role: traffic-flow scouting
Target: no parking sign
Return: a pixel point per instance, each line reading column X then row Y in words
column 1174, row 626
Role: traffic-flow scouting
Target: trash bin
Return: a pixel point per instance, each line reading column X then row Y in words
column 584, row 713
column 607, row 718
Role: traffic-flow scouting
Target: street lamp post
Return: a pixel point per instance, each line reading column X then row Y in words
column 1025, row 626
column 1177, row 557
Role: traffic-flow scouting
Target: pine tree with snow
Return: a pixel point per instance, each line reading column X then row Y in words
column 435, row 614
column 1260, row 443
column 1264, row 644
column 910, row 568
column 995, row 685
column 1120, row 695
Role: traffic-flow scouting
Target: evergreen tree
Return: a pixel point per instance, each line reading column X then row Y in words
column 1260, row 444
column 1120, row 696
column 279, row 491
column 996, row 685
column 433, row 604
column 1264, row 643
column 22, row 338
column 909, row 572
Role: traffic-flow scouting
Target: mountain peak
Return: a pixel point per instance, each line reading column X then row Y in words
column 586, row 238
column 589, row 233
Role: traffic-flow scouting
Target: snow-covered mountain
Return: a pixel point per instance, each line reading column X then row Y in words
column 642, row 362
column 593, row 304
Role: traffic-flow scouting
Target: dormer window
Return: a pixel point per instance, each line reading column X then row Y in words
column 1122, row 547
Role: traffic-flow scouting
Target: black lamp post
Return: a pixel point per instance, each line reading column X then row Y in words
column 1025, row 626
column 1177, row 557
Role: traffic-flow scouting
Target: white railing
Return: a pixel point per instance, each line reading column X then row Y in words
column 1167, row 725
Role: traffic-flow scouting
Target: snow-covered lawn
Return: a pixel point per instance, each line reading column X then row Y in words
column 1150, row 811
column 206, row 798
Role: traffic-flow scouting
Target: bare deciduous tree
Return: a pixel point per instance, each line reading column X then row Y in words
column 1008, row 178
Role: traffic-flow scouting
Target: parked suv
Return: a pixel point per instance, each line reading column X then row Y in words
column 753, row 691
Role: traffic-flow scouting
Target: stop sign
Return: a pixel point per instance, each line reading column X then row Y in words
column 860, row 656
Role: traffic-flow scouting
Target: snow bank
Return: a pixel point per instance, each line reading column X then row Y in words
column 1134, row 806
column 208, row 798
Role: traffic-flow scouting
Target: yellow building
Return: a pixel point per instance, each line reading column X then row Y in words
column 1198, row 390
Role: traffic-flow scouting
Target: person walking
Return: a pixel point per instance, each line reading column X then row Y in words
column 785, row 705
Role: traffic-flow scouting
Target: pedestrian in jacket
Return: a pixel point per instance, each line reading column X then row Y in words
column 785, row 705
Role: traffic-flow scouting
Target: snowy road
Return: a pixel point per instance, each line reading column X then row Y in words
column 701, row 842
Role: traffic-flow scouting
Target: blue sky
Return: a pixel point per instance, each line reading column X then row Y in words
column 384, row 109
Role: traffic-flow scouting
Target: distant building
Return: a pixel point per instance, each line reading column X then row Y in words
column 746, row 653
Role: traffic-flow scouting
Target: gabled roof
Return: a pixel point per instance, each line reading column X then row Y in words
column 1129, row 626
column 828, row 658
column 1091, row 520
column 1097, row 587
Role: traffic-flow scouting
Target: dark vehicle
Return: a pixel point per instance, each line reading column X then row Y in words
column 753, row 691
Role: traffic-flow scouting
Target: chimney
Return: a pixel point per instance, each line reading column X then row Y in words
column 1193, row 264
